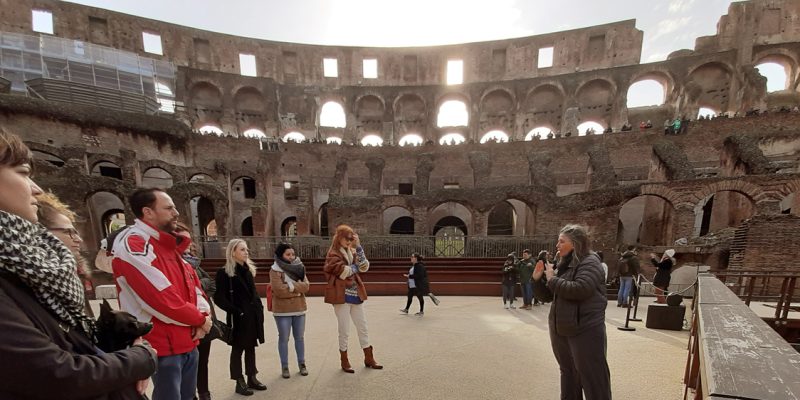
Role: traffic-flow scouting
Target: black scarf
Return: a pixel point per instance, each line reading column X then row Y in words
column 296, row 270
column 42, row 262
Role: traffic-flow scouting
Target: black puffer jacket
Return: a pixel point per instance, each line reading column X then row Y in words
column 579, row 292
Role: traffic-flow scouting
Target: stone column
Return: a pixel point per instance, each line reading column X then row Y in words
column 375, row 166
column 423, row 172
column 481, row 163
column 684, row 221
column 480, row 223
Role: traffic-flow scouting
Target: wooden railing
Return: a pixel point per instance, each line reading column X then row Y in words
column 763, row 285
column 733, row 353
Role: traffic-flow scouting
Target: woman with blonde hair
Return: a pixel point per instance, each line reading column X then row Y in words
column 345, row 290
column 236, row 294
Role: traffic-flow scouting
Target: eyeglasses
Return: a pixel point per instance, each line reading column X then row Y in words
column 72, row 232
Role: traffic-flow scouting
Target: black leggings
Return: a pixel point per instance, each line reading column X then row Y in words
column 415, row 292
column 204, row 349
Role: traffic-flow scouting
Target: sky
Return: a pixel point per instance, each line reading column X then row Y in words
column 668, row 25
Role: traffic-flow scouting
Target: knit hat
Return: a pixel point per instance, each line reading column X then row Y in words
column 670, row 253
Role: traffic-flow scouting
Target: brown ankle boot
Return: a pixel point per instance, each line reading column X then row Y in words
column 345, row 362
column 369, row 360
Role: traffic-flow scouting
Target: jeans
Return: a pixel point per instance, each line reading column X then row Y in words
column 527, row 293
column 297, row 325
column 625, row 285
column 508, row 293
column 176, row 378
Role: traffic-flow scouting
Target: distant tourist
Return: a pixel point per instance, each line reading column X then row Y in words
column 663, row 273
column 344, row 289
column 236, row 294
column 604, row 266
column 577, row 318
column 418, row 285
column 46, row 343
column 290, row 284
column 525, row 267
column 628, row 270
column 509, row 283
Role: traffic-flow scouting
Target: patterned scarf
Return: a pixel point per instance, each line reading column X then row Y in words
column 296, row 270
column 47, row 267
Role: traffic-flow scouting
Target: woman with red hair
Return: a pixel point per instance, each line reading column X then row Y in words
column 344, row 263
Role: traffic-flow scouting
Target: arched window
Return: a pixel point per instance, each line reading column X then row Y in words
column 372, row 140
column 540, row 132
column 296, row 137
column 211, row 129
column 412, row 139
column 333, row 140
column 254, row 134
column 332, row 115
column 590, row 127
column 646, row 93
column 494, row 136
column 452, row 139
column 452, row 113
column 775, row 74
column 706, row 112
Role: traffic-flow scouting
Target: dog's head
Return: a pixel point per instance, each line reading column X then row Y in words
column 119, row 328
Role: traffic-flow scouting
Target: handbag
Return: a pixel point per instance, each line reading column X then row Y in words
column 269, row 297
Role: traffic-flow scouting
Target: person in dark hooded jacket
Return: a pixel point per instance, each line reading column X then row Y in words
column 577, row 318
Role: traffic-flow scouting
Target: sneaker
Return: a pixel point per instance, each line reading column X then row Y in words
column 404, row 310
column 303, row 370
column 505, row 305
column 419, row 314
column 285, row 373
column 512, row 307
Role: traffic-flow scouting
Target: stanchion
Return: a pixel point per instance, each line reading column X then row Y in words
column 627, row 319
column 636, row 299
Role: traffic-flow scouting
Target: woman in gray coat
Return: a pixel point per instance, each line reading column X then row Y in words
column 577, row 318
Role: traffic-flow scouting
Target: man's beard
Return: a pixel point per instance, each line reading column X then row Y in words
column 170, row 226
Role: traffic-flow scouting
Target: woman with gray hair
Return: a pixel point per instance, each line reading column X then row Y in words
column 577, row 317
column 236, row 294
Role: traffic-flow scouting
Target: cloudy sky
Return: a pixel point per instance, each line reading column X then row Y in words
column 668, row 25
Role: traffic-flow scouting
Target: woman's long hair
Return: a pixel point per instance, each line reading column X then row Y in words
column 342, row 231
column 579, row 237
column 230, row 263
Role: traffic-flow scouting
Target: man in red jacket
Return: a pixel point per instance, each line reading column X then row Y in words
column 156, row 285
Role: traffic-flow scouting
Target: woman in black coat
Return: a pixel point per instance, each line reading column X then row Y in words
column 236, row 294
column 417, row 284
column 46, row 344
column 663, row 273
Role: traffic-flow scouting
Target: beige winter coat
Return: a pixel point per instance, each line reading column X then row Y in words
column 288, row 297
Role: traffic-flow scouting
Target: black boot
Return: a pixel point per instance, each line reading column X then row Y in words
column 241, row 387
column 253, row 383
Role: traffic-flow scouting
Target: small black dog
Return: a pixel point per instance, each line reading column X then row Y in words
column 116, row 330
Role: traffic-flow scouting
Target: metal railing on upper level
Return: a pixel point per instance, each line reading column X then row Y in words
column 393, row 246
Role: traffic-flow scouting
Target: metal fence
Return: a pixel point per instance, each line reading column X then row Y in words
column 396, row 246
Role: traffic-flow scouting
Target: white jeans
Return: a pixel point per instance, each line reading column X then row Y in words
column 355, row 312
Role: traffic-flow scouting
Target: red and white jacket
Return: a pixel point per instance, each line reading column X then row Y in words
column 156, row 285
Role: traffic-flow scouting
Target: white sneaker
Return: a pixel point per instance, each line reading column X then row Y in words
column 512, row 306
column 419, row 314
column 505, row 305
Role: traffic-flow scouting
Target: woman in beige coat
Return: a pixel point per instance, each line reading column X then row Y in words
column 344, row 289
column 289, row 287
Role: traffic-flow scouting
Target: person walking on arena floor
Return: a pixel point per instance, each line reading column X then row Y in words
column 418, row 284
column 237, row 295
column 344, row 289
column 290, row 284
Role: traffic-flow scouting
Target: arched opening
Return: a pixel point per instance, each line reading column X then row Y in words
column 372, row 140
column 332, row 115
column 450, row 233
column 106, row 212
column 524, row 218
column 289, row 227
column 201, row 212
column 721, row 210
column 390, row 215
column 791, row 204
column 323, row 221
column 709, row 85
column 706, row 112
column 243, row 189
column 502, row 219
column 452, row 139
column 452, row 113
column 109, row 169
column 369, row 109
column 595, row 100
column 646, row 93
column 156, row 178
column 496, row 103
column 402, row 226
column 410, row 108
column 544, row 106
column 296, row 137
column 540, row 133
column 210, row 130
column 777, row 75
column 205, row 95
column 646, row 220
column 211, row 230
column 495, row 136
column 333, row 140
column 247, row 226
column 590, row 128
column 201, row 178
column 254, row 133
column 112, row 220
column 40, row 155
column 249, row 100
column 411, row 139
